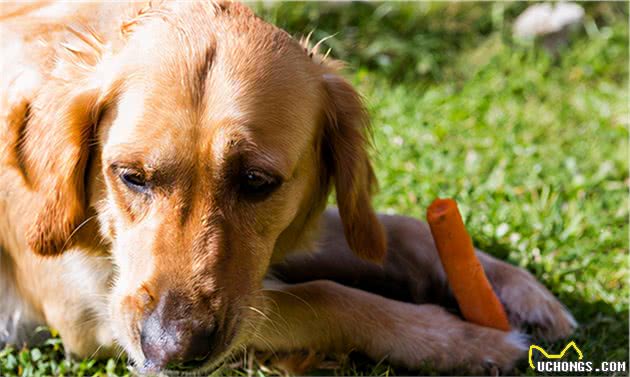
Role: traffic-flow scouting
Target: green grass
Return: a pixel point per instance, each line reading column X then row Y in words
column 533, row 147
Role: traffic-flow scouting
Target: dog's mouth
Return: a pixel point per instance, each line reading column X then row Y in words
column 199, row 366
column 192, row 367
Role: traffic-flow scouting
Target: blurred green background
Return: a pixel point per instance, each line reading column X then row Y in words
column 532, row 144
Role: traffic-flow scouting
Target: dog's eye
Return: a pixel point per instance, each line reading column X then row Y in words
column 257, row 184
column 135, row 181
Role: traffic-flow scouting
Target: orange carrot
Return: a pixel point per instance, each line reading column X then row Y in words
column 477, row 301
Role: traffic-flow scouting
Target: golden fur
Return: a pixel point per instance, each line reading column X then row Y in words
column 156, row 160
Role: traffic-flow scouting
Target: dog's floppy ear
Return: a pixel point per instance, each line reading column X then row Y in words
column 55, row 158
column 345, row 156
column 55, row 147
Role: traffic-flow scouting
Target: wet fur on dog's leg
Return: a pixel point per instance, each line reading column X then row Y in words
column 412, row 272
column 328, row 317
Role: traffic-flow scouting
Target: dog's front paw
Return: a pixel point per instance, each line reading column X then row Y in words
column 531, row 307
column 430, row 336
column 493, row 352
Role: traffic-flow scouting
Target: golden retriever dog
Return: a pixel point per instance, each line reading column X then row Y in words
column 161, row 166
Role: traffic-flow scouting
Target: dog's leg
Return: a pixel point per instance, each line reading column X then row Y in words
column 66, row 293
column 328, row 317
column 17, row 319
column 527, row 302
column 413, row 273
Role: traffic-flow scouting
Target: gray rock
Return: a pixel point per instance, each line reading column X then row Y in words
column 548, row 23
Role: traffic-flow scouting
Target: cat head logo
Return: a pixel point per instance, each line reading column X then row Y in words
column 553, row 356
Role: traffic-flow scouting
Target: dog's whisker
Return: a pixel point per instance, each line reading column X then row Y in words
column 122, row 351
column 267, row 342
column 76, row 230
column 90, row 321
column 270, row 321
column 266, row 317
column 296, row 297
column 96, row 351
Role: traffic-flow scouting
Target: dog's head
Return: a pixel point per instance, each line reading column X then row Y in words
column 206, row 144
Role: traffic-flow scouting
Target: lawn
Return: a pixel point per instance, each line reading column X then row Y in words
column 533, row 146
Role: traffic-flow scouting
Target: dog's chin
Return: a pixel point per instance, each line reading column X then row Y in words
column 190, row 368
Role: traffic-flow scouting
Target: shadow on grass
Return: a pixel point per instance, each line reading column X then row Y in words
column 602, row 333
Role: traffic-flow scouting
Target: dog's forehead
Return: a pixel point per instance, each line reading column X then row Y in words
column 233, row 80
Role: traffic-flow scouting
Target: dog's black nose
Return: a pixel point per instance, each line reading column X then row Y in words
column 170, row 335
